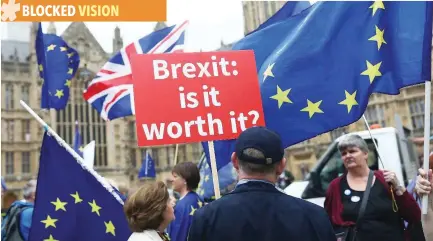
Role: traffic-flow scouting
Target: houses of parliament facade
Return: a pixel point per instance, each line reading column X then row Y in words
column 117, row 155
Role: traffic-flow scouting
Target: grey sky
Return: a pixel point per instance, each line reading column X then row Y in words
column 210, row 22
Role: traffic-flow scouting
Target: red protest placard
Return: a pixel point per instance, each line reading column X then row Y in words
column 193, row 97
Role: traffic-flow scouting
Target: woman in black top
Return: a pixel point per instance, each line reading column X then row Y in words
column 380, row 221
column 388, row 203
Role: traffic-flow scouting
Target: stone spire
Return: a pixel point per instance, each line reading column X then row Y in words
column 159, row 25
column 117, row 40
column 51, row 28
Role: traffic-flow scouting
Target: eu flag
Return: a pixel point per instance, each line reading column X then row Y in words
column 224, row 149
column 147, row 168
column 317, row 69
column 184, row 211
column 78, row 148
column 289, row 9
column 57, row 65
column 71, row 204
column 226, row 176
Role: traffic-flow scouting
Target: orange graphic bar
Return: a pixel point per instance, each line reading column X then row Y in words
column 83, row 10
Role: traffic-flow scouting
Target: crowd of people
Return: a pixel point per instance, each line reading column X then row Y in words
column 257, row 210
column 361, row 204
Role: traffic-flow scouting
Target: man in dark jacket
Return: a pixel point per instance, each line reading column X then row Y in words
column 256, row 209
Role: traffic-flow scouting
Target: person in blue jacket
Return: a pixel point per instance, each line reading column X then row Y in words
column 186, row 177
column 23, row 209
column 256, row 210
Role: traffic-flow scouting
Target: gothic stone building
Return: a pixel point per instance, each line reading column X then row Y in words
column 116, row 156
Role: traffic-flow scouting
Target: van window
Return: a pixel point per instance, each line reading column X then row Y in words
column 411, row 166
column 334, row 166
column 413, row 155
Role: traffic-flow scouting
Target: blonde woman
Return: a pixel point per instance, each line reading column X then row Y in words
column 149, row 210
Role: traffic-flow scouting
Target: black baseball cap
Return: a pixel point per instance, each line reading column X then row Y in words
column 262, row 139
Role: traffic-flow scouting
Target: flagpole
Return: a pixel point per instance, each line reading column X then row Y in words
column 427, row 106
column 147, row 160
column 175, row 154
column 77, row 157
column 185, row 49
column 374, row 141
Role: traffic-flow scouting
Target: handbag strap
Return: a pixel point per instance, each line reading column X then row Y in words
column 365, row 198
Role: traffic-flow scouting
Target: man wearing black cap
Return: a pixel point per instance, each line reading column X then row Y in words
column 256, row 209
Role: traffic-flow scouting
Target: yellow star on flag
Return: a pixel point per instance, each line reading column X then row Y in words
column 202, row 192
column 268, row 72
column 51, row 47
column 350, row 100
column 206, row 178
column 81, row 148
column 312, row 108
column 372, row 71
column 70, row 71
column 51, row 238
column 59, row 205
column 378, row 37
column 49, row 222
column 59, row 93
column 192, row 210
column 199, row 203
column 70, row 55
column 76, row 197
column 41, row 67
column 281, row 96
column 95, row 207
column 68, row 83
column 376, row 5
column 63, row 49
column 109, row 228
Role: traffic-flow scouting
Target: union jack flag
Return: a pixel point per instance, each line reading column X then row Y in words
column 110, row 92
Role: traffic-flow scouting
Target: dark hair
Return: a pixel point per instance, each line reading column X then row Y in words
column 253, row 168
column 188, row 171
column 144, row 209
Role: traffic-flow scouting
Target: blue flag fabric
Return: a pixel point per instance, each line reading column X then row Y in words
column 319, row 68
column 289, row 9
column 57, row 65
column 224, row 149
column 70, row 202
column 226, row 177
column 78, row 148
column 4, row 187
column 319, row 74
column 147, row 168
column 184, row 211
column 223, row 152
